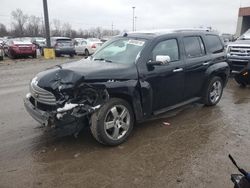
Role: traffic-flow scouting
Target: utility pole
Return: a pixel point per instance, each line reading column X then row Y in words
column 135, row 22
column 46, row 20
column 133, row 27
column 112, row 29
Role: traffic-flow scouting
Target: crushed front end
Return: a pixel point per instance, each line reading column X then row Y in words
column 68, row 108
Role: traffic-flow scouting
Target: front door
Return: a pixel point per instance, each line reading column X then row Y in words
column 166, row 80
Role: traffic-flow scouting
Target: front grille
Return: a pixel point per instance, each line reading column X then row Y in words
column 243, row 51
column 41, row 106
column 41, row 95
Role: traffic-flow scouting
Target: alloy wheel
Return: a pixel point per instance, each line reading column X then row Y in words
column 215, row 91
column 117, row 122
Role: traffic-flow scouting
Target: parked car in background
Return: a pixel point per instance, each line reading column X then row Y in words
column 105, row 38
column 78, row 40
column 130, row 79
column 227, row 37
column 39, row 41
column 1, row 50
column 88, row 47
column 18, row 47
column 63, row 46
column 238, row 52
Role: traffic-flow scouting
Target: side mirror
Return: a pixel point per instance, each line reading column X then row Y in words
column 160, row 60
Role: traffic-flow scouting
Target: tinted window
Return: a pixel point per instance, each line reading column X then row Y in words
column 167, row 47
column 194, row 47
column 214, row 44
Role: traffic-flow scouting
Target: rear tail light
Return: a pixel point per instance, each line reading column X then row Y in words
column 93, row 46
column 33, row 47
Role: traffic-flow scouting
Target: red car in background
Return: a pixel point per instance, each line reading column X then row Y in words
column 19, row 48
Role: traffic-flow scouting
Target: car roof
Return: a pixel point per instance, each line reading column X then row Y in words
column 149, row 34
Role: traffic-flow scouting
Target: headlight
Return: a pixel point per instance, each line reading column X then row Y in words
column 34, row 81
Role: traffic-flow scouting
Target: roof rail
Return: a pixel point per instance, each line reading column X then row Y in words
column 162, row 31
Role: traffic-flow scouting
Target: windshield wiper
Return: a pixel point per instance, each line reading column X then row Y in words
column 102, row 59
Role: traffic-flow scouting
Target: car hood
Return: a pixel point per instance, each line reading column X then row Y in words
column 75, row 73
column 239, row 42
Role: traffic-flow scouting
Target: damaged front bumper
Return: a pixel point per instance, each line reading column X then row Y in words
column 66, row 118
column 41, row 116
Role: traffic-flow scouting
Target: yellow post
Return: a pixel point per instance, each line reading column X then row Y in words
column 49, row 53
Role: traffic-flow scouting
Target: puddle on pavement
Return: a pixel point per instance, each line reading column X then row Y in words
column 242, row 100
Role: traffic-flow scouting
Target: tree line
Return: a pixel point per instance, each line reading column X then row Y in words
column 24, row 25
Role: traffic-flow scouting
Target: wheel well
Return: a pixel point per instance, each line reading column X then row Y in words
column 125, row 97
column 223, row 76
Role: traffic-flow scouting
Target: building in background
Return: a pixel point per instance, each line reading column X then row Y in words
column 243, row 21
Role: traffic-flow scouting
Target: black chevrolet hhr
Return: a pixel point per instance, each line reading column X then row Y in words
column 131, row 78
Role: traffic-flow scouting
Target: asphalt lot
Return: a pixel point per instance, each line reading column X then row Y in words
column 190, row 152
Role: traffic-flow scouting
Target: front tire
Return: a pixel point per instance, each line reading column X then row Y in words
column 213, row 91
column 113, row 122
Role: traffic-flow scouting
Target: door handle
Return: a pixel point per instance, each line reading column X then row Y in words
column 178, row 70
column 206, row 63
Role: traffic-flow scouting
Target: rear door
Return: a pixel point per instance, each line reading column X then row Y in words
column 197, row 61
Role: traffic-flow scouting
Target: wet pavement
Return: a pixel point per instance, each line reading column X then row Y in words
column 190, row 152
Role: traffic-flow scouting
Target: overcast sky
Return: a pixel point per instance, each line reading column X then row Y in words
column 155, row 14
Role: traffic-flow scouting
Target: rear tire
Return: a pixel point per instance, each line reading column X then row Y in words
column 113, row 122
column 12, row 56
column 213, row 91
column 34, row 56
column 71, row 55
column 86, row 52
column 239, row 81
column 58, row 55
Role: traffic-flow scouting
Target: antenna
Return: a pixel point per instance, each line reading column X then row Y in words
column 235, row 164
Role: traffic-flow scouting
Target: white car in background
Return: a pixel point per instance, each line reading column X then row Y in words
column 88, row 46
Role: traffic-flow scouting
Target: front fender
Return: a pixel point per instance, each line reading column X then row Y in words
column 128, row 90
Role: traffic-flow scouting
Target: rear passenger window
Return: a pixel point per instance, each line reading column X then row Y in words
column 214, row 44
column 167, row 47
column 194, row 47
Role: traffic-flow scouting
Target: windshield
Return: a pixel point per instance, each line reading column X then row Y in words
column 123, row 50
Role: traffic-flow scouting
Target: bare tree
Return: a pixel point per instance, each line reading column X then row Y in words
column 19, row 21
column 34, row 27
column 66, row 30
column 3, row 30
column 56, row 31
